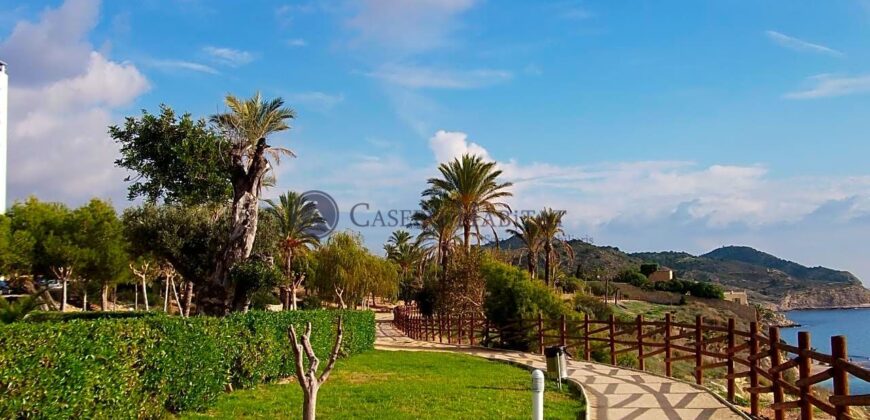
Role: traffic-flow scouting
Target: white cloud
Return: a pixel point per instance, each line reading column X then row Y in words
column 229, row 56
column 172, row 65
column 447, row 145
column 53, row 47
column 797, row 44
column 297, row 42
column 319, row 101
column 58, row 146
column 407, row 26
column 827, row 85
column 417, row 77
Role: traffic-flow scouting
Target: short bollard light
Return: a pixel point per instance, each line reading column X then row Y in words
column 537, row 395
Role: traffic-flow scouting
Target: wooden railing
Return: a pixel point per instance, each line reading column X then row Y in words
column 769, row 365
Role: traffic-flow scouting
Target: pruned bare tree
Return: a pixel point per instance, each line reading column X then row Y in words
column 308, row 378
column 143, row 271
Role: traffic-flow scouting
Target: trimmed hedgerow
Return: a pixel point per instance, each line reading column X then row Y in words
column 46, row 316
column 142, row 367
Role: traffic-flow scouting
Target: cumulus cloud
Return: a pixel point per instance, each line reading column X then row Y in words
column 797, row 44
column 448, row 145
column 828, row 85
column 58, row 146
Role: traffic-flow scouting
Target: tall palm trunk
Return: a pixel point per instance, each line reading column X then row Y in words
column 548, row 256
column 466, row 234
column 247, row 179
column 533, row 265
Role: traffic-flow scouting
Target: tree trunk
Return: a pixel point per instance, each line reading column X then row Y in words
column 247, row 180
column 309, row 404
column 188, row 297
column 292, row 298
column 533, row 262
column 85, row 298
column 64, row 295
column 136, row 298
column 104, row 297
column 166, row 295
column 145, row 295
column 466, row 234
column 548, row 255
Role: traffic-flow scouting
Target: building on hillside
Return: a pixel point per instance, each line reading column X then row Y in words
column 661, row 274
column 738, row 297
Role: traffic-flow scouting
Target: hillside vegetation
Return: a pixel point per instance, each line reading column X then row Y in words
column 767, row 279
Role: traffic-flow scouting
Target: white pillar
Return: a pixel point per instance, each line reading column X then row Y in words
column 4, row 124
column 537, row 395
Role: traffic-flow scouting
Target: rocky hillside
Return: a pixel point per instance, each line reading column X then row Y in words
column 777, row 283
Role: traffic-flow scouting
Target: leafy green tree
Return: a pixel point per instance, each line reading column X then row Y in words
column 409, row 255
column 188, row 238
column 349, row 273
column 189, row 162
column 40, row 220
column 296, row 220
column 529, row 232
column 549, row 222
column 16, row 250
column 174, row 159
column 100, row 235
column 472, row 190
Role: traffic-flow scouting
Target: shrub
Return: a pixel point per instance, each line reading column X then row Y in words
column 648, row 268
column 592, row 306
column 694, row 288
column 46, row 316
column 142, row 367
column 635, row 278
column 571, row 284
column 512, row 296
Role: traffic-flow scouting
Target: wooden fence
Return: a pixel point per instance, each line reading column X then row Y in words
column 767, row 363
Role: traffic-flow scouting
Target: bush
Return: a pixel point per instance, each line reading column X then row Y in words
column 571, row 284
column 142, row 367
column 46, row 316
column 512, row 296
column 694, row 288
column 592, row 306
column 635, row 278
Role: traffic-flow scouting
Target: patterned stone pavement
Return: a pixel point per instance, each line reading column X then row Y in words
column 611, row 393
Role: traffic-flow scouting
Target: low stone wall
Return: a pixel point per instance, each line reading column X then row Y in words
column 669, row 298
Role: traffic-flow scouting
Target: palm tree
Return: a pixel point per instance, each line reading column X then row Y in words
column 409, row 254
column 470, row 187
column 529, row 231
column 246, row 126
column 550, row 223
column 297, row 221
column 439, row 223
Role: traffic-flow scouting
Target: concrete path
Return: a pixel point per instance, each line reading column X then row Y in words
column 611, row 393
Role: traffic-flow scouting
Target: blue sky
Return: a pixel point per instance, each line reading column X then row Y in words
column 659, row 125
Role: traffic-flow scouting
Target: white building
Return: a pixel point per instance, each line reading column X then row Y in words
column 4, row 115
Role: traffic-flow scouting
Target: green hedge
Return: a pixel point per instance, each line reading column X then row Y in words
column 142, row 367
column 48, row 316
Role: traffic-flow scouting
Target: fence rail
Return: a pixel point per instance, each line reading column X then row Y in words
column 770, row 366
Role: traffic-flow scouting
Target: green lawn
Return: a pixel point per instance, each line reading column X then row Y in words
column 405, row 385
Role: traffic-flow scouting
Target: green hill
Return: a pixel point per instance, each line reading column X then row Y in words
column 766, row 278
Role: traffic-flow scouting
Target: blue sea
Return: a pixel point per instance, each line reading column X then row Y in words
column 824, row 323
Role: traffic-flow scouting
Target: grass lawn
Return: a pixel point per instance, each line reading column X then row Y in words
column 405, row 385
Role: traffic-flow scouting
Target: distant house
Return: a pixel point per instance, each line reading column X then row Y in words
column 738, row 297
column 661, row 274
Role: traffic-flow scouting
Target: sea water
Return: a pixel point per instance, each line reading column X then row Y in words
column 824, row 323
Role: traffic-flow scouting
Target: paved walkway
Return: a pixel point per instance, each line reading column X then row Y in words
column 612, row 393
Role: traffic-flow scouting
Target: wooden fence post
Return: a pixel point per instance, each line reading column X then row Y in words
column 540, row 333
column 612, row 338
column 841, row 377
column 486, row 332
column 805, row 370
column 563, row 330
column 699, row 346
column 586, row 349
column 775, row 360
column 730, row 361
column 640, row 363
column 668, row 344
column 459, row 329
column 449, row 329
column 753, row 368
column 471, row 330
